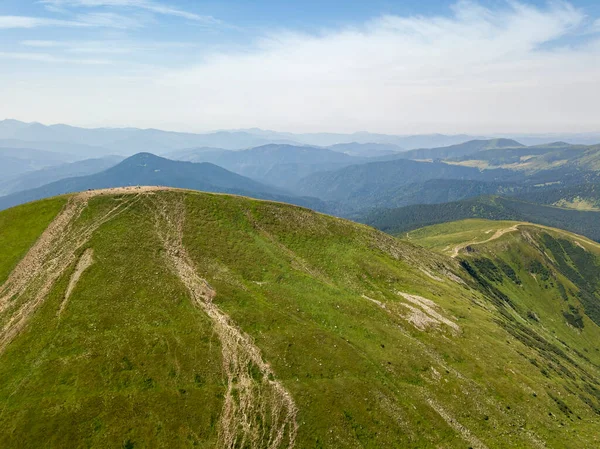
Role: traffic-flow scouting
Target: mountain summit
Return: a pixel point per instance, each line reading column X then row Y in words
column 154, row 317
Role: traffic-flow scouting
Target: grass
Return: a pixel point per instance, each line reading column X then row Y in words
column 130, row 360
column 444, row 237
column 132, row 363
column 578, row 203
column 20, row 227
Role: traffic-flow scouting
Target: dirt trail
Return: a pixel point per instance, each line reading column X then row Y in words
column 458, row 427
column 258, row 412
column 499, row 233
column 85, row 261
column 29, row 284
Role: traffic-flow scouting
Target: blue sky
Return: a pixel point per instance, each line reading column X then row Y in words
column 387, row 66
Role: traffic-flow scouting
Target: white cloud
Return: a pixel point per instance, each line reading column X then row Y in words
column 40, row 43
column 116, row 47
column 109, row 20
column 34, row 22
column 478, row 71
column 96, row 19
column 45, row 57
column 147, row 5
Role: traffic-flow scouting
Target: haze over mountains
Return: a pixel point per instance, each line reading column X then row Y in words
column 145, row 169
column 356, row 180
column 330, row 333
column 86, row 143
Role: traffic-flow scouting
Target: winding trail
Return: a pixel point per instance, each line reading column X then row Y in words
column 258, row 412
column 499, row 233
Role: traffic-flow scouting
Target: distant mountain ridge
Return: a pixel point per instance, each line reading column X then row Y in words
column 462, row 149
column 366, row 149
column 145, row 169
column 281, row 165
column 15, row 161
column 33, row 179
column 377, row 184
column 128, row 141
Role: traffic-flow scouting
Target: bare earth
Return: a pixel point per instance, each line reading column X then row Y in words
column 258, row 412
column 499, row 233
column 85, row 261
column 32, row 279
column 251, row 399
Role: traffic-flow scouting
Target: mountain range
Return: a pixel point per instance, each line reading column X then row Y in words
column 280, row 165
column 146, row 169
column 94, row 142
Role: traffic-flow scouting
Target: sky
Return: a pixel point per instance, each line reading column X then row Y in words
column 398, row 67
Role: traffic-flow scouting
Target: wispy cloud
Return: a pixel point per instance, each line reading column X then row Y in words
column 90, row 20
column 107, row 46
column 45, row 57
column 151, row 6
column 514, row 68
column 476, row 69
column 7, row 22
column 110, row 20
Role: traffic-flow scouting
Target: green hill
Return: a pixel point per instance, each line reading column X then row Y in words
column 402, row 219
column 153, row 317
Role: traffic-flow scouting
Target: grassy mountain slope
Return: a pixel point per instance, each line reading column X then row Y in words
column 403, row 219
column 147, row 169
column 172, row 318
column 20, row 227
column 544, row 272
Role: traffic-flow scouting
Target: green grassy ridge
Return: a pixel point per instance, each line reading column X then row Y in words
column 127, row 362
column 548, row 280
column 294, row 280
column 405, row 219
column 20, row 227
column 528, row 263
